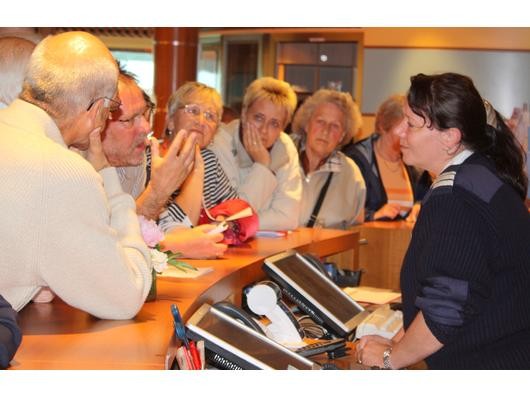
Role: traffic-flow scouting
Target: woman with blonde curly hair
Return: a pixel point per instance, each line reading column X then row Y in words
column 197, row 108
column 333, row 187
column 259, row 159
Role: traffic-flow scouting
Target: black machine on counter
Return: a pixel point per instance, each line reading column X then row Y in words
column 313, row 291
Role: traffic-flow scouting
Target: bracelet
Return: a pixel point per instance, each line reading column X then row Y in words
column 386, row 359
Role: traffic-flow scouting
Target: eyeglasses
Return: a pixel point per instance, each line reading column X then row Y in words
column 131, row 121
column 195, row 110
column 112, row 104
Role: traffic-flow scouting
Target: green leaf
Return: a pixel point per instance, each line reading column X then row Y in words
column 180, row 265
column 177, row 267
column 170, row 253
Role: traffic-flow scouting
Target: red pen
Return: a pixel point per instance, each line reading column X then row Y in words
column 184, row 359
column 195, row 356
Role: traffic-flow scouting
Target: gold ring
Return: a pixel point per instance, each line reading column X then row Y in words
column 359, row 361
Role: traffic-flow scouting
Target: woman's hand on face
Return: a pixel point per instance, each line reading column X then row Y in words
column 389, row 210
column 199, row 161
column 170, row 171
column 196, row 176
column 255, row 148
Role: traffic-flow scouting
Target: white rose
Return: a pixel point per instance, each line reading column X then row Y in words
column 159, row 260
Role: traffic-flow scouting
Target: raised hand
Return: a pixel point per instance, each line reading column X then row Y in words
column 170, row 171
column 167, row 173
column 198, row 164
column 191, row 191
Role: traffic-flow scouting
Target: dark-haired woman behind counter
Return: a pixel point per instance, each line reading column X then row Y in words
column 465, row 277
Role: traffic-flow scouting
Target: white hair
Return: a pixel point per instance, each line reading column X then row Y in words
column 343, row 100
column 14, row 56
column 67, row 72
column 181, row 97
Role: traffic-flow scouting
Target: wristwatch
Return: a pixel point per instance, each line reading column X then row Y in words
column 386, row 359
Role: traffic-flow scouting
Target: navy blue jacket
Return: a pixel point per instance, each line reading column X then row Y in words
column 467, row 269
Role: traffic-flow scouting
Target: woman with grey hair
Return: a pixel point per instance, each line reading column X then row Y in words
column 259, row 158
column 333, row 187
column 197, row 108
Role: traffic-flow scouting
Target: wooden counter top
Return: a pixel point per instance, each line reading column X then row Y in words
column 58, row 336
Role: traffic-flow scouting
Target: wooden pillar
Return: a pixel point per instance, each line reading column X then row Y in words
column 175, row 53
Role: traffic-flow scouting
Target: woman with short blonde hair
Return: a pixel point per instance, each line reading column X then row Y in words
column 275, row 91
column 259, row 158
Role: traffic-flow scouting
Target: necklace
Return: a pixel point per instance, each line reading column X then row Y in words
column 393, row 167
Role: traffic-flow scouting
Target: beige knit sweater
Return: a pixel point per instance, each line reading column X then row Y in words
column 64, row 225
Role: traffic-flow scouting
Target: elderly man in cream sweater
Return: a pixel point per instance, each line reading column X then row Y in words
column 66, row 223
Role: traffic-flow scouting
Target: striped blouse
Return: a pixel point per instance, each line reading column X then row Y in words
column 217, row 189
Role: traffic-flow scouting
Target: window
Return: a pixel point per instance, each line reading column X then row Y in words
column 242, row 65
column 209, row 63
column 141, row 64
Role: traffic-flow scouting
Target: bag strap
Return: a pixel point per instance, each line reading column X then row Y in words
column 320, row 199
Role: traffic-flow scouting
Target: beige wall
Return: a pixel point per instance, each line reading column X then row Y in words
column 471, row 38
column 514, row 39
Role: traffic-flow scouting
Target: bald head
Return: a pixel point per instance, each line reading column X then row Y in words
column 14, row 57
column 66, row 72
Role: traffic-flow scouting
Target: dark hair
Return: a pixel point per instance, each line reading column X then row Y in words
column 148, row 101
column 451, row 100
column 126, row 74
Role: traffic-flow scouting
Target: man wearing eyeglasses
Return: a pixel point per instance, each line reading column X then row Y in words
column 67, row 224
column 125, row 142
